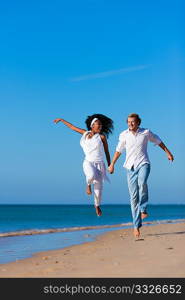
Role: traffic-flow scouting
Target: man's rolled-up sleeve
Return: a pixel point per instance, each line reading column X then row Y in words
column 121, row 144
column 154, row 138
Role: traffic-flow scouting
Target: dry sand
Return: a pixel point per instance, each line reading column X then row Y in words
column 159, row 253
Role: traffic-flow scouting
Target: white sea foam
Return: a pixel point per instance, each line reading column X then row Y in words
column 70, row 229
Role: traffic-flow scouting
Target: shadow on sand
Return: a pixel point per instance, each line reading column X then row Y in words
column 165, row 233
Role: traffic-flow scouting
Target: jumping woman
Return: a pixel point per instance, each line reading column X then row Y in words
column 94, row 144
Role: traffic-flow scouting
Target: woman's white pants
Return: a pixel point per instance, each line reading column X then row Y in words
column 95, row 173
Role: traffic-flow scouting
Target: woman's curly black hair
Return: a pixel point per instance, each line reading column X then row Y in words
column 107, row 123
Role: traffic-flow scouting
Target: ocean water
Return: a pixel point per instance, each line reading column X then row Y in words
column 27, row 229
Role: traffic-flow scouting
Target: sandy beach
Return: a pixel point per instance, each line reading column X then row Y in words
column 158, row 253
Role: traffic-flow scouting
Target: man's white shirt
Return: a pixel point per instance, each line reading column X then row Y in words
column 136, row 146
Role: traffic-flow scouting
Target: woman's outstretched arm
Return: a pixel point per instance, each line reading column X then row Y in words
column 71, row 126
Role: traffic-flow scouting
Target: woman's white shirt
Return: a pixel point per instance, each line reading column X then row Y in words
column 92, row 147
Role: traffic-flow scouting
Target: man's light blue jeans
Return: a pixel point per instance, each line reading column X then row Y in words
column 138, row 190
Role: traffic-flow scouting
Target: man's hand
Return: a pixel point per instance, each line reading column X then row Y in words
column 170, row 156
column 168, row 153
column 111, row 169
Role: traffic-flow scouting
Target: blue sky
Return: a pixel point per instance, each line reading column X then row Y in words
column 71, row 59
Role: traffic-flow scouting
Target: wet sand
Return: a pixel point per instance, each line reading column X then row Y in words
column 158, row 253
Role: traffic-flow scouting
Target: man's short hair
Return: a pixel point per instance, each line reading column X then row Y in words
column 133, row 115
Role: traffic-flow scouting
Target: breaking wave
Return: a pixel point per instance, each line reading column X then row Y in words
column 70, row 229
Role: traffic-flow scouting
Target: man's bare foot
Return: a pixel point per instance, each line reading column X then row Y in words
column 98, row 211
column 136, row 232
column 144, row 215
column 88, row 190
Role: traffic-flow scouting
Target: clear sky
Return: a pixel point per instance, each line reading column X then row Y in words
column 71, row 59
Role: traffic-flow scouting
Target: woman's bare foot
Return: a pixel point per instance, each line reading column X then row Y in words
column 88, row 190
column 144, row 215
column 136, row 232
column 98, row 211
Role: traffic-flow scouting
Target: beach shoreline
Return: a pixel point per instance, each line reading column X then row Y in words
column 158, row 253
column 22, row 244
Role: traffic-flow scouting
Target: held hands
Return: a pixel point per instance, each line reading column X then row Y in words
column 111, row 169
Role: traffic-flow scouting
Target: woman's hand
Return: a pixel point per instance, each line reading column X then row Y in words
column 57, row 120
column 111, row 168
column 71, row 126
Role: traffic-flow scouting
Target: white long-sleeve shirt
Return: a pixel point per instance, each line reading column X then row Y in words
column 136, row 146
